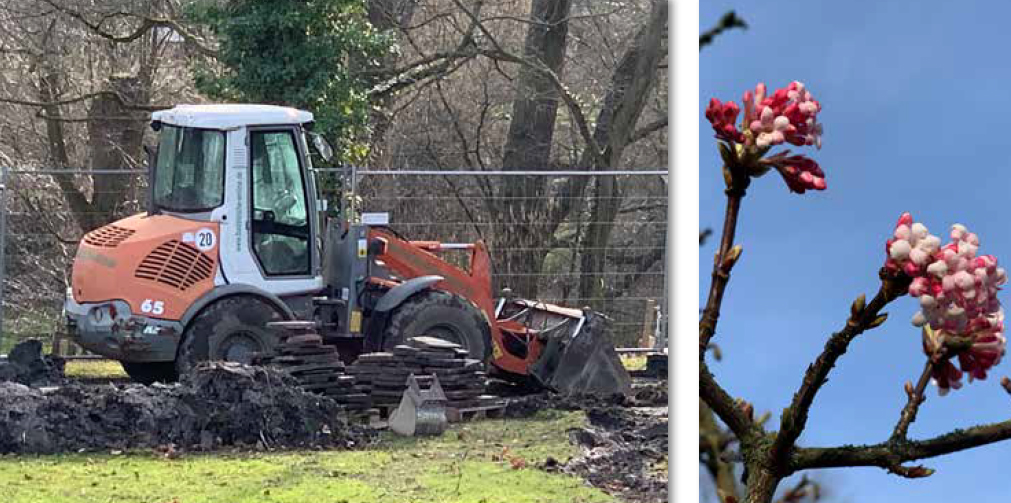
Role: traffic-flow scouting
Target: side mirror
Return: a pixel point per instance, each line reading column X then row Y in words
column 322, row 146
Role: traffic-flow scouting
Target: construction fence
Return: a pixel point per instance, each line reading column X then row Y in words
column 574, row 238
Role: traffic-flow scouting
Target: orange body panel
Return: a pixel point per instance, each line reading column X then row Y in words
column 410, row 259
column 158, row 264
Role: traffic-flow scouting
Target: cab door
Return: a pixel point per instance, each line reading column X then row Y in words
column 281, row 216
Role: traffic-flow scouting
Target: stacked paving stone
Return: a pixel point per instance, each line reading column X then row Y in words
column 318, row 368
column 384, row 374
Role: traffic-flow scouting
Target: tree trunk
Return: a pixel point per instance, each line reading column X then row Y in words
column 56, row 139
column 519, row 244
column 632, row 82
column 385, row 15
column 115, row 136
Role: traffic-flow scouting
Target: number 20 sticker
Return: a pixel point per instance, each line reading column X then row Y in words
column 205, row 239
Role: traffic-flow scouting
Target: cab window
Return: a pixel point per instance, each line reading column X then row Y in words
column 280, row 229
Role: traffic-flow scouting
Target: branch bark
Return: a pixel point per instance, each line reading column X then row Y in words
column 862, row 317
column 889, row 455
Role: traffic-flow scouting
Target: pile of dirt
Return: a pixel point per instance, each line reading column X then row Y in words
column 25, row 364
column 625, row 445
column 218, row 405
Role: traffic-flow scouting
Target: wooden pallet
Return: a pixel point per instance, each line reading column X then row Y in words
column 490, row 411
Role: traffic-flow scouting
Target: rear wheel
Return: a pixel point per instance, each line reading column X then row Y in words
column 150, row 372
column 231, row 329
column 443, row 315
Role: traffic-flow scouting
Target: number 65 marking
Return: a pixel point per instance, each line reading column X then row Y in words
column 152, row 306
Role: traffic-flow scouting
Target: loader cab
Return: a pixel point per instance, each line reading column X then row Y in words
column 246, row 169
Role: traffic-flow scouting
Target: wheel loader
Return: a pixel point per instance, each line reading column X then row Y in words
column 235, row 238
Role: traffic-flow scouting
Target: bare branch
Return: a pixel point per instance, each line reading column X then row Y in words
column 915, row 398
column 83, row 97
column 648, row 129
column 727, row 22
column 862, row 317
column 890, row 455
column 724, row 405
column 146, row 25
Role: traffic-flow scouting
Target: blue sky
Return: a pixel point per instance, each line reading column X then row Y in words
column 916, row 103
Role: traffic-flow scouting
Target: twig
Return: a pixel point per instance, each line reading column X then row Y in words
column 803, row 488
column 916, row 397
column 738, row 184
column 703, row 235
column 862, row 317
column 724, row 406
column 727, row 22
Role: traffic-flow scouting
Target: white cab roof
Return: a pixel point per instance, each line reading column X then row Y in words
column 230, row 116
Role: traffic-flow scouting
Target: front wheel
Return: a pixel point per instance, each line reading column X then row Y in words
column 442, row 315
column 232, row 329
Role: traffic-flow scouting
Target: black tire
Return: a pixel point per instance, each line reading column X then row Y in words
column 231, row 329
column 440, row 314
column 150, row 372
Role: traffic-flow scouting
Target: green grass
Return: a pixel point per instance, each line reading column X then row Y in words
column 634, row 361
column 471, row 463
column 94, row 369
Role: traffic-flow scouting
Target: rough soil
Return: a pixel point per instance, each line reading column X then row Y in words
column 625, row 445
column 25, row 364
column 219, row 405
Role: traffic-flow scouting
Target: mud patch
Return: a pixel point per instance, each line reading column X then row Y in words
column 624, row 453
column 219, row 405
column 624, row 448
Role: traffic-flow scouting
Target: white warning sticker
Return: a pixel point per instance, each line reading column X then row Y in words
column 204, row 239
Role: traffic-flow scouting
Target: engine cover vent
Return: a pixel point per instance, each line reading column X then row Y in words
column 109, row 236
column 176, row 264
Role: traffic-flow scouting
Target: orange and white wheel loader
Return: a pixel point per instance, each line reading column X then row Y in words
column 235, row 237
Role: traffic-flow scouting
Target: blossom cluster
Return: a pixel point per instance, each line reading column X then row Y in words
column 789, row 115
column 957, row 290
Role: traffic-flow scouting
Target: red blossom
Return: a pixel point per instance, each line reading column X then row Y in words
column 800, row 173
column 723, row 117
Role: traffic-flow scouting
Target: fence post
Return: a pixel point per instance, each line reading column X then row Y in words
column 3, row 246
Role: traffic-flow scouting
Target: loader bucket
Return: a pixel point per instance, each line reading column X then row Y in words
column 578, row 357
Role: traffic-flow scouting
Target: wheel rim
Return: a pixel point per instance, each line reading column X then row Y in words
column 239, row 347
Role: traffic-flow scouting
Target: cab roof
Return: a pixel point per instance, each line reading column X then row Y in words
column 230, row 116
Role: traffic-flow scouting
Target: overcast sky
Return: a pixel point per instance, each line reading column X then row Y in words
column 916, row 105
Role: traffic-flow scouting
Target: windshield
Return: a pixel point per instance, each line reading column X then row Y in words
column 189, row 176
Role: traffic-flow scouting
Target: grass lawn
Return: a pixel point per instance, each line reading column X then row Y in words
column 90, row 369
column 487, row 461
column 633, row 361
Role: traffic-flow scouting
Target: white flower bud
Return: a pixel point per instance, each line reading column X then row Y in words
column 900, row 250
column 919, row 319
column 938, row 268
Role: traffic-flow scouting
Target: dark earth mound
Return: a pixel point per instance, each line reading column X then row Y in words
column 25, row 364
column 218, row 405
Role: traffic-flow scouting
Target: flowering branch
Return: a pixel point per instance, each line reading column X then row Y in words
column 960, row 316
